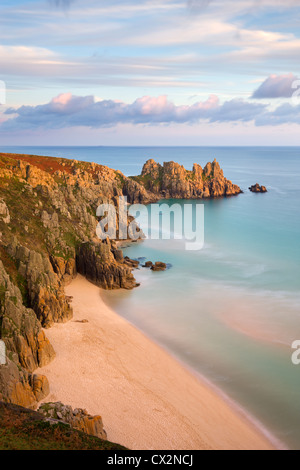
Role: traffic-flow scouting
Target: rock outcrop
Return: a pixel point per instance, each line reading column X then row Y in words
column 148, row 264
column 49, row 305
column 158, row 266
column 78, row 418
column 27, row 347
column 103, row 264
column 24, row 429
column 172, row 180
column 132, row 263
column 256, row 188
column 4, row 212
column 19, row 387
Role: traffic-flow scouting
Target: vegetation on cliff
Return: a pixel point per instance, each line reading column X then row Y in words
column 23, row 429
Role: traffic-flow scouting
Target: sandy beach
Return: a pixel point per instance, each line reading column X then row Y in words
column 147, row 399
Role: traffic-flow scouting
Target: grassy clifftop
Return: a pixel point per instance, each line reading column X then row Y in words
column 22, row 429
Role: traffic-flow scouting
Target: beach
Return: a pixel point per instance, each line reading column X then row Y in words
column 146, row 398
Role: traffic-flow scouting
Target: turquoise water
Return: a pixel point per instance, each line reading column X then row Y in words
column 231, row 310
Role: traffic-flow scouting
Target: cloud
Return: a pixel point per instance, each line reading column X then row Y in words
column 284, row 114
column 237, row 110
column 62, row 3
column 198, row 5
column 67, row 110
column 147, row 43
column 31, row 60
column 277, row 86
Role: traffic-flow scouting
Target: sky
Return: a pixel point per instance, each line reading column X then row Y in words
column 150, row 72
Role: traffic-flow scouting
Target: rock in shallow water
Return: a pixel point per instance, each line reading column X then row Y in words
column 148, row 264
column 159, row 266
column 256, row 188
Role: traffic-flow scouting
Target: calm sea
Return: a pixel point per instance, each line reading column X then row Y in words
column 232, row 310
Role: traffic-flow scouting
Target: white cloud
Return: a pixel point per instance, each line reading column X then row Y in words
column 145, row 44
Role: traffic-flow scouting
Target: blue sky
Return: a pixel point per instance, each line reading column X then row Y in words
column 159, row 72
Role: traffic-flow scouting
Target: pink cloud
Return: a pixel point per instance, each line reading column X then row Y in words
column 67, row 110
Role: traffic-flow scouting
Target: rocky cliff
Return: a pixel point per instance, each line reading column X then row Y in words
column 27, row 347
column 172, row 180
column 48, row 234
column 104, row 265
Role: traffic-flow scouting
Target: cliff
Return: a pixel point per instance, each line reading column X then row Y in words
column 48, row 234
column 172, row 180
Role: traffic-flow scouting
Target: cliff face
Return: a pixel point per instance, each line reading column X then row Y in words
column 104, row 265
column 27, row 347
column 172, row 180
column 48, row 233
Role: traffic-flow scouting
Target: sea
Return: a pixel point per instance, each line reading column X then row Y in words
column 231, row 310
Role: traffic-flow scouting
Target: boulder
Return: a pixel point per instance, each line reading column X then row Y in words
column 148, row 264
column 159, row 266
column 78, row 418
column 256, row 188
column 133, row 263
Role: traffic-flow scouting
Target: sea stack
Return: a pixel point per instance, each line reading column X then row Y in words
column 172, row 180
column 256, row 188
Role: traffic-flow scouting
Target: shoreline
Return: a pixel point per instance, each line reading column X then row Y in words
column 147, row 397
column 235, row 406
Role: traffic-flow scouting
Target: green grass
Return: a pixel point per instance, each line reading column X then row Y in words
column 22, row 429
column 147, row 181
